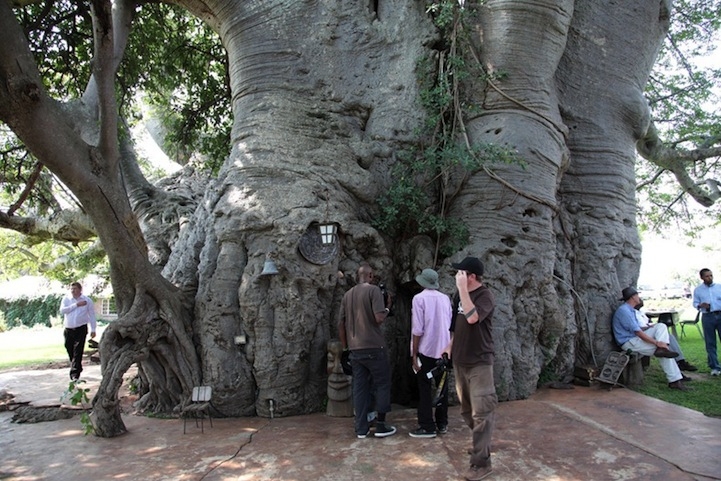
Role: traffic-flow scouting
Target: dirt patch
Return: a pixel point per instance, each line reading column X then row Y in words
column 40, row 366
column 32, row 414
column 26, row 413
column 41, row 392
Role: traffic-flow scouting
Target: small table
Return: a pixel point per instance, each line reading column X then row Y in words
column 668, row 317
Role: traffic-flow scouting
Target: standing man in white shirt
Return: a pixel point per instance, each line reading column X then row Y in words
column 78, row 312
column 707, row 299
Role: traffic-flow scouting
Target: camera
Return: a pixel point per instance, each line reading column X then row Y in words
column 386, row 297
column 443, row 363
column 384, row 292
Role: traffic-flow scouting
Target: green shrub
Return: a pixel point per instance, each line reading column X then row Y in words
column 29, row 312
column 706, row 388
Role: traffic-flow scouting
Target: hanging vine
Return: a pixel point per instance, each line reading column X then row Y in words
column 421, row 192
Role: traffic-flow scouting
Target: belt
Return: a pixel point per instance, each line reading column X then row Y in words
column 714, row 312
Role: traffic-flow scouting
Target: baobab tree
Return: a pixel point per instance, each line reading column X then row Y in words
column 424, row 131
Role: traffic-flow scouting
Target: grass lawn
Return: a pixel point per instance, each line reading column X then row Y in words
column 22, row 347
column 706, row 389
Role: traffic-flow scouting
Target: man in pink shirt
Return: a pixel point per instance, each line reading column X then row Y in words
column 430, row 323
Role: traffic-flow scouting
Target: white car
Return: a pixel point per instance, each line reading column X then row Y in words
column 649, row 292
column 675, row 290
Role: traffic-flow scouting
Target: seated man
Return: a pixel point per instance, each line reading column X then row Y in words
column 652, row 341
column 644, row 323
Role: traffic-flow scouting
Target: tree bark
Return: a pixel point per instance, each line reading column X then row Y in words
column 325, row 99
column 606, row 64
column 152, row 316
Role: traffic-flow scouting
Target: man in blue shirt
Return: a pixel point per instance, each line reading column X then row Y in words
column 707, row 299
column 652, row 341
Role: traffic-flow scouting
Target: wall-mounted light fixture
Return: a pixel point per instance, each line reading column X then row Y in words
column 328, row 230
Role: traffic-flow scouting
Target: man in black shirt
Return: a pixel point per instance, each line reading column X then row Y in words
column 472, row 353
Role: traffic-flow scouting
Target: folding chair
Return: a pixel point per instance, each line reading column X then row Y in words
column 198, row 407
column 694, row 322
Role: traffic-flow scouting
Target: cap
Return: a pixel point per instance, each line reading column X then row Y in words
column 428, row 279
column 470, row 264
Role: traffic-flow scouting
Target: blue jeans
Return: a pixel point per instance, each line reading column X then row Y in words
column 371, row 376
column 711, row 322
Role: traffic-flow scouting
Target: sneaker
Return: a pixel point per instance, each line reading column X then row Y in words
column 363, row 436
column 422, row 433
column 663, row 352
column 476, row 473
column 383, row 430
column 684, row 365
column 442, row 429
column 686, row 378
column 679, row 386
column 716, row 372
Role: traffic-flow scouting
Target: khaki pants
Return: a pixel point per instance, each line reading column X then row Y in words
column 477, row 393
column 658, row 332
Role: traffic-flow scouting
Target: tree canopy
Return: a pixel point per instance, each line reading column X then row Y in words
column 175, row 69
column 678, row 174
column 173, row 76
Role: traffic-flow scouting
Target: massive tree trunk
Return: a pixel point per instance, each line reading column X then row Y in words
column 325, row 97
column 331, row 107
column 320, row 110
column 610, row 53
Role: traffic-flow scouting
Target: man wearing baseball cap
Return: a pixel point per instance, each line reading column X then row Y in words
column 472, row 353
column 650, row 342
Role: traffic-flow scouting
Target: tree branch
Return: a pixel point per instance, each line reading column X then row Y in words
column 29, row 185
column 38, row 121
column 677, row 161
column 104, row 75
column 68, row 226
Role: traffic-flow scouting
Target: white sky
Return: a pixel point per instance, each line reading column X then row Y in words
column 665, row 260
column 149, row 149
column 670, row 259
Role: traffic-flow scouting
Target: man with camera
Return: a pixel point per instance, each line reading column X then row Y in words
column 362, row 312
column 430, row 323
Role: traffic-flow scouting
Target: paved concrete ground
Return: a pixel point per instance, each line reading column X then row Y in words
column 556, row 435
